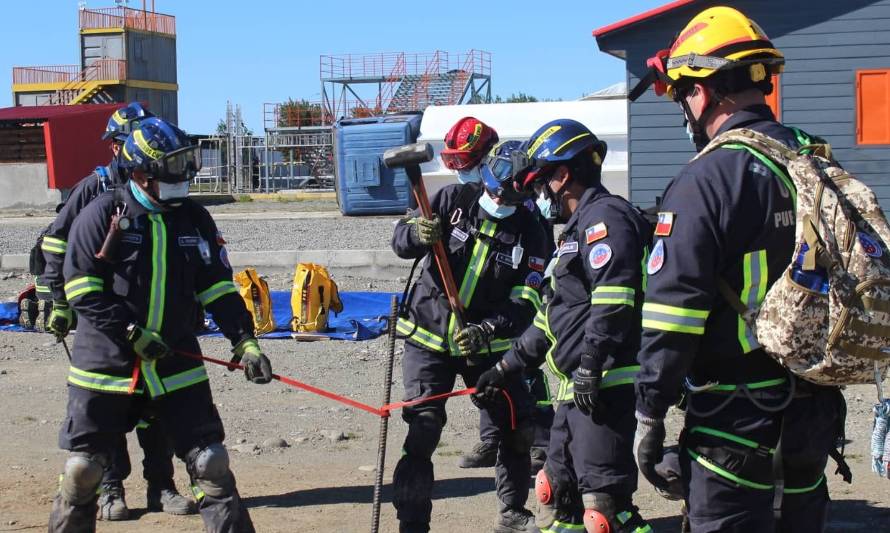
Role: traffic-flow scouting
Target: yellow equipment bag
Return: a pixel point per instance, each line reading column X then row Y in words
column 313, row 295
column 255, row 292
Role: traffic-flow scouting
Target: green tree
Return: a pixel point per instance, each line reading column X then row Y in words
column 221, row 128
column 299, row 113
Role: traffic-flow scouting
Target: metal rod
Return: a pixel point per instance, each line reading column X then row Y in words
column 384, row 420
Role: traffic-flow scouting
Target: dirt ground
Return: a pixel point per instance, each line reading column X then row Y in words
column 319, row 480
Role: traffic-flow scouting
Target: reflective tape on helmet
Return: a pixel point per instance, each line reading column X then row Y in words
column 80, row 285
column 612, row 295
column 674, row 319
column 216, row 291
column 139, row 139
column 54, row 245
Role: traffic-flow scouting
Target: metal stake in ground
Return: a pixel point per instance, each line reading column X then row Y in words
column 384, row 420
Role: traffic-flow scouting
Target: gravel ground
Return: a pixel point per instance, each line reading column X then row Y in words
column 249, row 226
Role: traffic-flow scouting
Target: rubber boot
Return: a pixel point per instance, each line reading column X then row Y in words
column 169, row 501
column 512, row 520
column 484, row 455
column 113, row 503
column 538, row 458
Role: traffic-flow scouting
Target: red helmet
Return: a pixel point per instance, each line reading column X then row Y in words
column 467, row 142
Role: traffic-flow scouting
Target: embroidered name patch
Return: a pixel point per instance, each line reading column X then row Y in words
column 460, row 235
column 131, row 238
column 568, row 248
column 189, row 240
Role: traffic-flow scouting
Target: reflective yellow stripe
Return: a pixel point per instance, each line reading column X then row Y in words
column 421, row 336
column 215, row 292
column 540, row 321
column 675, row 319
column 98, row 382
column 151, row 378
column 82, row 285
column 185, row 379
column 612, row 295
column 477, row 263
column 54, row 245
column 197, row 493
column 753, row 291
column 619, row 376
column 157, row 295
column 143, row 145
column 527, row 293
column 562, row 390
column 802, row 490
column 563, row 527
column 570, row 141
column 703, row 461
column 41, row 289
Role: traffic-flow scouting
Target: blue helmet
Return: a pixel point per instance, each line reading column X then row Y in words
column 124, row 120
column 560, row 141
column 162, row 151
column 497, row 172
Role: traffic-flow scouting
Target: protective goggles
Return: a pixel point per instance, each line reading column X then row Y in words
column 176, row 166
column 459, row 160
column 498, row 181
column 656, row 76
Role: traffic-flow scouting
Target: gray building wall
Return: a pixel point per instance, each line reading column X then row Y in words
column 162, row 103
column 151, row 57
column 824, row 41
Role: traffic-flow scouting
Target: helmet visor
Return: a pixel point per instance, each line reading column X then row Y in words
column 178, row 165
column 500, row 186
column 459, row 160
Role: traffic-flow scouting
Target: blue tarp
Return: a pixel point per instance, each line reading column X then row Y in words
column 364, row 316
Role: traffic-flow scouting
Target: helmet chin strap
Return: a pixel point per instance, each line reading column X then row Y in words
column 700, row 137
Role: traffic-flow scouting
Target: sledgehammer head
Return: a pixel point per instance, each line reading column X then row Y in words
column 408, row 155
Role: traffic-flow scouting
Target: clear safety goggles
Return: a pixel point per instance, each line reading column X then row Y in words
column 178, row 165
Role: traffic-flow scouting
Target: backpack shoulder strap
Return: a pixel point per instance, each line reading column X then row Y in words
column 104, row 178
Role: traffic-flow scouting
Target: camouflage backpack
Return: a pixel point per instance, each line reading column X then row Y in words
column 835, row 331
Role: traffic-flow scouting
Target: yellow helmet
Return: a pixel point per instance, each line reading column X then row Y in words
column 717, row 39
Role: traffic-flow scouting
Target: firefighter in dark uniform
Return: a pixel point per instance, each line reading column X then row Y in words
column 588, row 334
column 490, row 240
column 724, row 221
column 158, row 461
column 137, row 260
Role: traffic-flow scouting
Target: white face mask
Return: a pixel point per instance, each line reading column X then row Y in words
column 545, row 206
column 493, row 208
column 169, row 193
column 469, row 176
column 689, row 133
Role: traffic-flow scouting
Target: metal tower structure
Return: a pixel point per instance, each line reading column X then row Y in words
column 369, row 85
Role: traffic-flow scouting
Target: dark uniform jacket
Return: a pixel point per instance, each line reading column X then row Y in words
column 480, row 251
column 725, row 216
column 597, row 284
column 55, row 240
column 169, row 262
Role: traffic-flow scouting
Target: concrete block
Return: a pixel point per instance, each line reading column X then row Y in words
column 26, row 185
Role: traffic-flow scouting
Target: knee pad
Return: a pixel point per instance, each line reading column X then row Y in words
column 209, row 469
column 543, row 488
column 82, row 477
column 606, row 513
column 424, row 432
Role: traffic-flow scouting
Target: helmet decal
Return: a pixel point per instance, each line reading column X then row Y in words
column 541, row 138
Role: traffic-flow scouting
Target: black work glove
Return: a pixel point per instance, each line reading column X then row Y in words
column 257, row 367
column 489, row 386
column 146, row 343
column 473, row 338
column 425, row 231
column 587, row 378
column 60, row 319
column 649, row 450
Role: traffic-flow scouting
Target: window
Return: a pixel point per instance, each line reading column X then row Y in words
column 873, row 106
column 774, row 99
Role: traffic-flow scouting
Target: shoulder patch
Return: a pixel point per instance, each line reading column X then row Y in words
column 219, row 238
column 534, row 280
column 600, row 255
column 224, row 257
column 869, row 245
column 596, row 232
column 656, row 258
column 665, row 224
column 536, row 263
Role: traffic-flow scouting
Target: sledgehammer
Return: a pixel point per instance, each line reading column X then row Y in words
column 409, row 157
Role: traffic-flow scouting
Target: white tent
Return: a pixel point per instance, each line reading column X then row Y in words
column 607, row 118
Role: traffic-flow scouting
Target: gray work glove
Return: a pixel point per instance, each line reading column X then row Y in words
column 649, row 449
column 425, row 231
column 257, row 367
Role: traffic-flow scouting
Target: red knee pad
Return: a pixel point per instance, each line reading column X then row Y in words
column 595, row 522
column 543, row 490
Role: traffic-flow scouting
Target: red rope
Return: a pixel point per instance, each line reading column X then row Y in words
column 382, row 411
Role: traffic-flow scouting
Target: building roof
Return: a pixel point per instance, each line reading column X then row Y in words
column 652, row 13
column 45, row 112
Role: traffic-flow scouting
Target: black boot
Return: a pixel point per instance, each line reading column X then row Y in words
column 512, row 520
column 112, row 502
column 169, row 501
column 484, row 455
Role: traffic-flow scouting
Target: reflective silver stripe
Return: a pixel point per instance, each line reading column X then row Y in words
column 98, row 382
column 151, row 378
column 753, row 291
column 612, row 295
column 185, row 379
column 527, row 293
column 157, row 295
column 420, row 335
column 676, row 319
column 619, row 376
column 82, row 285
column 477, row 262
column 54, row 245
column 216, row 291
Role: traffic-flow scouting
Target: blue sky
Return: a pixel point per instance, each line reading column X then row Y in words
column 258, row 51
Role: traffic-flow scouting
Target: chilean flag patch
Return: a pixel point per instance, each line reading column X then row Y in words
column 596, row 232
column 665, row 224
